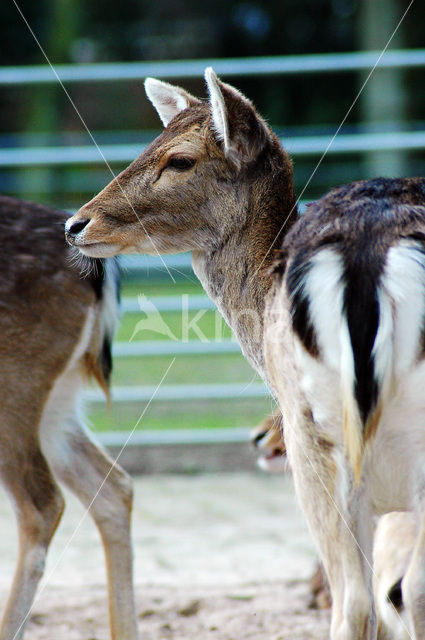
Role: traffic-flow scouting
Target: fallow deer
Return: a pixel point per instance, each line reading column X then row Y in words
column 56, row 332
column 268, row 440
column 333, row 322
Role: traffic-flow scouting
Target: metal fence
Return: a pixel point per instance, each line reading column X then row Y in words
column 296, row 146
column 266, row 65
column 118, row 153
column 274, row 65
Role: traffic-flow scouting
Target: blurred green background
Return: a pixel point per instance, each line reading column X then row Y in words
column 87, row 31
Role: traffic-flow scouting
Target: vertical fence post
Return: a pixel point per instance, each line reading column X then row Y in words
column 383, row 99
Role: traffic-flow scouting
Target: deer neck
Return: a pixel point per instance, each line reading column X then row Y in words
column 237, row 274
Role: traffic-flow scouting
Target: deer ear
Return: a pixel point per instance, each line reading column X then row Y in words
column 237, row 125
column 168, row 100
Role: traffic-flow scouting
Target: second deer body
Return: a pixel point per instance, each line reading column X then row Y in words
column 334, row 321
column 56, row 331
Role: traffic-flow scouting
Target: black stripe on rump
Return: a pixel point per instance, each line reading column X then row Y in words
column 297, row 273
column 362, row 312
column 395, row 595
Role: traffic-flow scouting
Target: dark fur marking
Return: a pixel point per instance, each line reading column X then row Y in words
column 112, row 274
column 97, row 273
column 244, row 279
column 105, row 358
column 96, row 276
column 362, row 311
column 417, row 236
column 395, row 595
column 38, row 482
column 301, row 321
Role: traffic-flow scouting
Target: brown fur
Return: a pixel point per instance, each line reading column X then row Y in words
column 232, row 208
column 45, row 305
column 38, row 285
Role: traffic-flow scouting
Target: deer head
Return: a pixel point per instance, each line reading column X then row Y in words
column 192, row 186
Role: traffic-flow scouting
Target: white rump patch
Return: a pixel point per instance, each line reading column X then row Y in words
column 324, row 287
column 402, row 310
column 167, row 100
column 328, row 380
column 401, row 299
column 325, row 290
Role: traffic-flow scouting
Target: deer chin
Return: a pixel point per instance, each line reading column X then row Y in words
column 99, row 249
column 273, row 462
column 272, row 465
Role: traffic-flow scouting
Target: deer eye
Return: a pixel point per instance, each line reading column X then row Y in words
column 180, row 163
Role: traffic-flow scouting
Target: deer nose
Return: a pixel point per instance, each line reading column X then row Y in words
column 74, row 228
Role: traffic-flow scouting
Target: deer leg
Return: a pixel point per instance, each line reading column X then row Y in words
column 413, row 585
column 106, row 490
column 355, row 540
column 342, row 528
column 38, row 505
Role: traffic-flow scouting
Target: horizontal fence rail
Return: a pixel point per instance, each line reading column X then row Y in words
column 181, row 436
column 133, row 264
column 169, row 303
column 173, row 392
column 140, row 348
column 296, row 146
column 267, row 65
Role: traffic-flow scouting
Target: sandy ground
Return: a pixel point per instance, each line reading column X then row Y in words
column 223, row 557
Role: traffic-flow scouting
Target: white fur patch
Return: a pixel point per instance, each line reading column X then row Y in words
column 167, row 100
column 110, row 306
column 321, row 380
column 62, row 410
column 218, row 108
column 84, row 340
column 394, row 542
column 276, row 464
column 329, row 381
column 382, row 351
column 324, row 287
column 402, row 312
column 62, row 414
